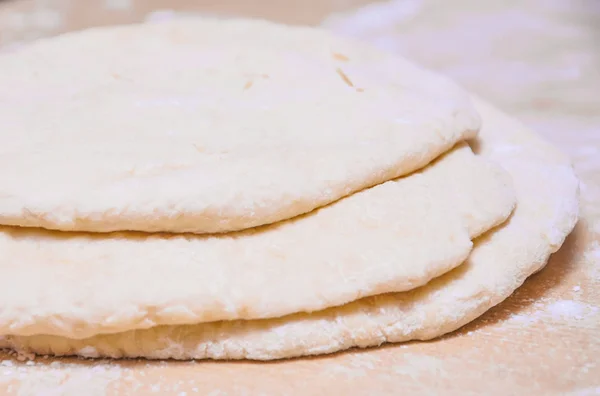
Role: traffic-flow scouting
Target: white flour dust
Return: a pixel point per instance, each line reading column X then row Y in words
column 561, row 311
column 118, row 5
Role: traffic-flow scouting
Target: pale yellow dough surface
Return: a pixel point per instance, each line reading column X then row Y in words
column 208, row 126
column 547, row 209
column 393, row 237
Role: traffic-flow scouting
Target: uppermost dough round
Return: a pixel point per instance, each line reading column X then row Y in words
column 209, row 126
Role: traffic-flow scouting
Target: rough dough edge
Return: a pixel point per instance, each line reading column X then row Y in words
column 261, row 339
column 135, row 313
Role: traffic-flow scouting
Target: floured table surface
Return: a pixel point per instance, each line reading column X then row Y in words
column 536, row 59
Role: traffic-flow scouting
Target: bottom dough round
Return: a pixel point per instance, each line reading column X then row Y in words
column 547, row 209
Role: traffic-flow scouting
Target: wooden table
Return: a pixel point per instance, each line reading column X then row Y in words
column 539, row 60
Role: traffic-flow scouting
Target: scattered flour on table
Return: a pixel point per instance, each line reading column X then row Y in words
column 364, row 361
column 53, row 377
column 346, row 371
column 592, row 261
column 585, row 392
column 377, row 16
column 23, row 26
column 561, row 311
column 39, row 378
column 593, row 254
column 587, row 151
column 417, row 365
column 354, row 366
column 566, row 309
column 118, row 5
column 158, row 16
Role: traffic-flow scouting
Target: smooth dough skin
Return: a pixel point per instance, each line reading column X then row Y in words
column 547, row 208
column 207, row 126
column 393, row 237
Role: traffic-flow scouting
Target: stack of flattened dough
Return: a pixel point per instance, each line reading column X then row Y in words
column 245, row 190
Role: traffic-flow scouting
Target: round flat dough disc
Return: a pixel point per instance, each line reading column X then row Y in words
column 547, row 194
column 393, row 237
column 209, row 126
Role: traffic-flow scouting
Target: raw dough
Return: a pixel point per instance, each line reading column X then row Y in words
column 547, row 209
column 209, row 125
column 393, row 237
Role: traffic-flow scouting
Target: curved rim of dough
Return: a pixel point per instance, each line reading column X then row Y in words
column 175, row 195
column 373, row 242
column 547, row 211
